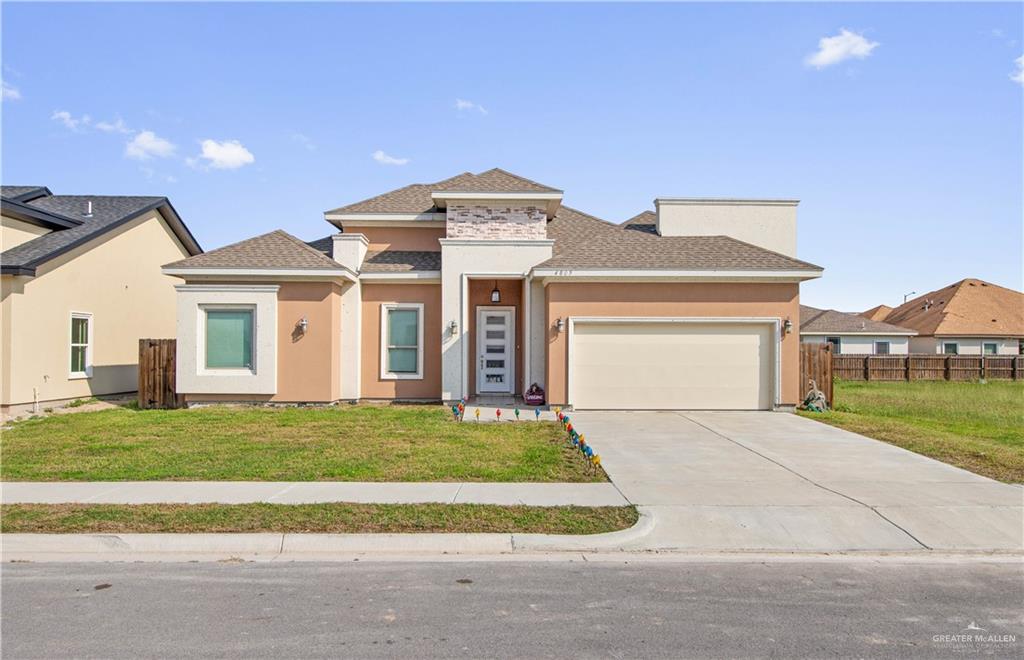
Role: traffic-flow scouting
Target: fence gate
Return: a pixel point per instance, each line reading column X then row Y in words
column 816, row 364
column 156, row 374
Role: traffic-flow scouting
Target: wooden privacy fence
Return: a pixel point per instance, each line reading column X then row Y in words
column 816, row 363
column 156, row 374
column 928, row 367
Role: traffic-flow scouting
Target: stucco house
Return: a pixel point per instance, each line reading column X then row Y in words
column 81, row 284
column 852, row 334
column 482, row 284
column 969, row 317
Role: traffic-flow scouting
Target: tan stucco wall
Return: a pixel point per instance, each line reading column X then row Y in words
column 671, row 299
column 15, row 232
column 308, row 364
column 373, row 386
column 400, row 238
column 117, row 279
column 511, row 296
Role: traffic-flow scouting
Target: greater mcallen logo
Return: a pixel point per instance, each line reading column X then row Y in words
column 973, row 638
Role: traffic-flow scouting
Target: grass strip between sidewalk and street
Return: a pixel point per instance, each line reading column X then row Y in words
column 974, row 426
column 341, row 518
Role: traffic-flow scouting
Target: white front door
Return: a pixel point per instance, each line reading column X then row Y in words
column 495, row 329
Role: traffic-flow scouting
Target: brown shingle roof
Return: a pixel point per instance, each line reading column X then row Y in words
column 400, row 261
column 877, row 313
column 415, row 198
column 970, row 307
column 821, row 321
column 276, row 250
column 571, row 227
column 626, row 249
column 645, row 221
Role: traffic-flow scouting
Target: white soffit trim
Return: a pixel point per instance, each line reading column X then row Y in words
column 723, row 201
column 527, row 242
column 419, row 275
column 860, row 333
column 343, row 273
column 697, row 275
column 354, row 218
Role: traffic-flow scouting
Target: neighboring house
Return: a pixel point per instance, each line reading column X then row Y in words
column 877, row 313
column 852, row 334
column 970, row 317
column 482, row 284
column 81, row 284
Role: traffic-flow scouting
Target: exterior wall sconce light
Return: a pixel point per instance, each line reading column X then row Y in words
column 559, row 325
column 495, row 294
column 453, row 327
column 787, row 326
column 303, row 324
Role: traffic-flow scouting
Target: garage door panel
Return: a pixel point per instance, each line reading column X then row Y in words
column 697, row 366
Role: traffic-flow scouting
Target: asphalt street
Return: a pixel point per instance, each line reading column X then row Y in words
column 505, row 609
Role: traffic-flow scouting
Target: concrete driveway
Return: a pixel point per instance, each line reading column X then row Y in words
column 776, row 481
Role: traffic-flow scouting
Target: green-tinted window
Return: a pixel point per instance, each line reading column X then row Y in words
column 229, row 339
column 403, row 341
column 79, row 344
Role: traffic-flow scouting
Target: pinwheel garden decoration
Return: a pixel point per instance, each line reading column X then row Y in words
column 477, row 413
column 536, row 413
column 516, row 411
column 498, row 413
column 455, row 412
column 462, row 410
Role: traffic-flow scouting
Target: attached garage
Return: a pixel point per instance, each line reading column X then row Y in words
column 671, row 364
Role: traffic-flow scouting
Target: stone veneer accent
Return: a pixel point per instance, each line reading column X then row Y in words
column 496, row 221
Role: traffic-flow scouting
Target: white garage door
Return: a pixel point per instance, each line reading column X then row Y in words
column 671, row 365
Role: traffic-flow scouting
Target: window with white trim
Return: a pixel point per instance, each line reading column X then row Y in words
column 81, row 346
column 990, row 348
column 881, row 348
column 229, row 333
column 401, row 354
column 951, row 348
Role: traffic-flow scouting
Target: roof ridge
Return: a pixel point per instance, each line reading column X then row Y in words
column 517, row 176
column 589, row 215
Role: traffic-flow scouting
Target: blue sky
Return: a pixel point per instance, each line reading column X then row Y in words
column 903, row 139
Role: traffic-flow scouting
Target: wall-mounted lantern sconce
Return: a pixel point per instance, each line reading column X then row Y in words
column 495, row 294
column 787, row 326
column 559, row 325
column 303, row 324
column 453, row 327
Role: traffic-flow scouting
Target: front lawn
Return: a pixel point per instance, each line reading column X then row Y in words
column 345, row 443
column 979, row 427
column 309, row 518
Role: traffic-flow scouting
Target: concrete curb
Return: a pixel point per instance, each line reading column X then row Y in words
column 157, row 547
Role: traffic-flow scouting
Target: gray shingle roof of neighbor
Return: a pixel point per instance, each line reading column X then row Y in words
column 108, row 213
column 415, row 198
column 271, row 251
column 815, row 321
column 400, row 261
column 22, row 193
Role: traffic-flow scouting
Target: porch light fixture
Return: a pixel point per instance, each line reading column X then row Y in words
column 559, row 325
column 453, row 327
column 495, row 294
column 787, row 326
column 303, row 324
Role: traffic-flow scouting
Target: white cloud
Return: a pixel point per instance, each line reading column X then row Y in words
column 1018, row 75
column 70, row 122
column 463, row 105
column 226, row 155
column 148, row 144
column 117, row 126
column 385, row 159
column 844, row 46
column 9, row 92
column 304, row 140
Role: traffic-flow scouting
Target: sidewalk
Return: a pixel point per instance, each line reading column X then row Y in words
column 309, row 492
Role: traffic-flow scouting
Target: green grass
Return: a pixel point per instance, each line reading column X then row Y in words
column 976, row 426
column 309, row 518
column 348, row 443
